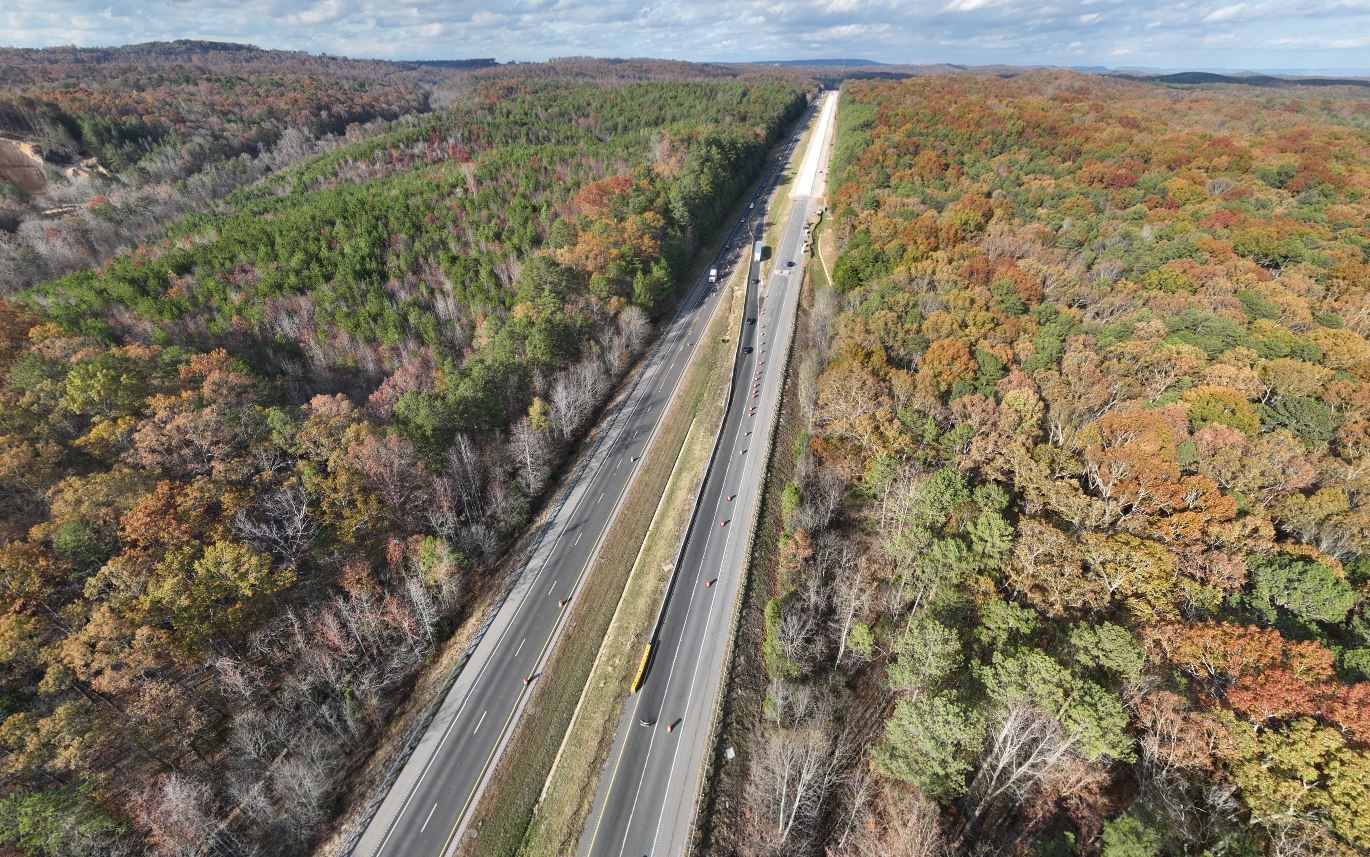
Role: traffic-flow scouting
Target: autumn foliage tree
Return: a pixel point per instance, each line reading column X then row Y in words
column 253, row 473
column 1094, row 398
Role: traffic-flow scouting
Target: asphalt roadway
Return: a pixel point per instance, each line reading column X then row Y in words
column 645, row 803
column 425, row 810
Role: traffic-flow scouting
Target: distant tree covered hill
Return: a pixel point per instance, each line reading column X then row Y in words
column 254, row 472
column 820, row 62
column 1077, row 550
column 120, row 104
column 1263, row 80
column 104, row 146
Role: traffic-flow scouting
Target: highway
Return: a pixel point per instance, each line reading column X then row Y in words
column 645, row 804
column 424, row 811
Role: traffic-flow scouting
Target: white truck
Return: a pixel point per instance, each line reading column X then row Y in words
column 713, row 275
column 756, row 251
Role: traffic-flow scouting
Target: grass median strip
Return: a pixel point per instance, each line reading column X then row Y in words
column 571, row 788
column 594, row 662
column 569, row 793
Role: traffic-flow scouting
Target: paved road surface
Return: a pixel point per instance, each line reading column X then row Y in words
column 425, row 810
column 646, row 799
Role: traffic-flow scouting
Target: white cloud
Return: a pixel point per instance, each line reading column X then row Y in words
column 319, row 13
column 1162, row 33
column 968, row 5
column 1226, row 13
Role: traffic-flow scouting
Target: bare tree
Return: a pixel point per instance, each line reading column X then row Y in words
column 570, row 404
column 242, row 680
column 808, row 387
column 177, row 813
column 300, row 783
column 793, row 774
column 821, row 318
column 467, row 473
column 797, row 632
column 612, row 352
column 422, row 605
column 851, row 596
column 888, row 821
column 634, row 327
column 858, row 800
column 574, row 393
column 532, row 456
column 789, row 705
column 480, row 540
column 1026, row 748
column 250, row 797
column 293, row 145
column 824, row 493
column 1176, row 748
column 279, row 522
column 443, row 514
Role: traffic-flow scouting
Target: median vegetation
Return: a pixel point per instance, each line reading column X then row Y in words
column 254, row 472
column 537, row 807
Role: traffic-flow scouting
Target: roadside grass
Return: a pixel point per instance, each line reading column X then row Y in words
column 779, row 206
column 570, row 790
column 569, row 793
column 361, row 781
column 626, row 579
column 823, row 250
column 719, row 824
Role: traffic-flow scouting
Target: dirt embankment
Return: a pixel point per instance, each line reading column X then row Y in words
column 22, row 166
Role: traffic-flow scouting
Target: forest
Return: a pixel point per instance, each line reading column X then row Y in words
column 119, row 105
column 100, row 148
column 254, row 470
column 1074, row 551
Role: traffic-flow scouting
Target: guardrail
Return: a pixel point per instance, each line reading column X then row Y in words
column 715, row 715
column 770, row 184
column 411, row 742
column 707, row 763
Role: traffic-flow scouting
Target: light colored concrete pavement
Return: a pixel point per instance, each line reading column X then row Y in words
column 424, row 811
column 645, row 803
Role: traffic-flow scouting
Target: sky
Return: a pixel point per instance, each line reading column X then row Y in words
column 1208, row 34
